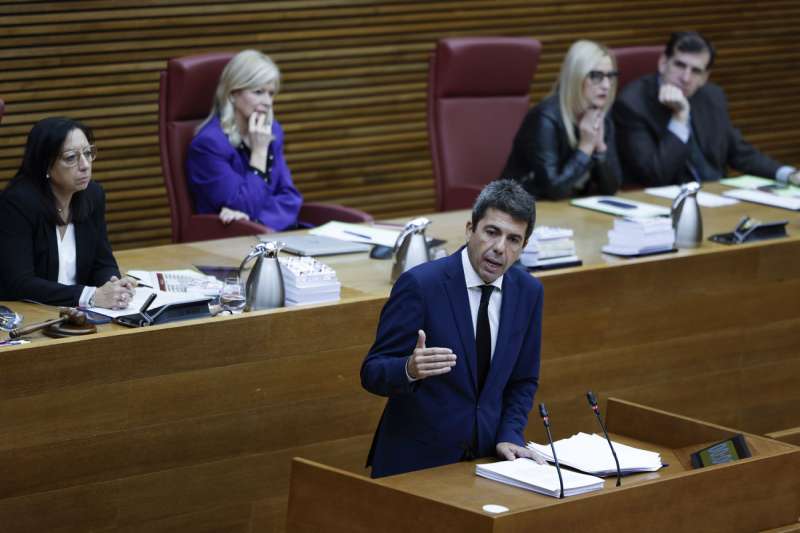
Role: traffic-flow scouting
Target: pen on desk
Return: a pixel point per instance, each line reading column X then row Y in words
column 147, row 303
column 139, row 281
column 15, row 342
column 353, row 233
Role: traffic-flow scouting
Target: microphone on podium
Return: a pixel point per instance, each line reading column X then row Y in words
column 546, row 421
column 593, row 403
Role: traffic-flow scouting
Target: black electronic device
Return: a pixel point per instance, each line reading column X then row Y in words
column 381, row 252
column 750, row 230
column 166, row 313
column 725, row 451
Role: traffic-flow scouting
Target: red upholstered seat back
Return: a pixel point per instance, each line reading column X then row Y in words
column 186, row 94
column 633, row 62
column 2, row 109
column 478, row 94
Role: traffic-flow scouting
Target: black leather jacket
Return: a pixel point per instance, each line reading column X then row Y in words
column 543, row 161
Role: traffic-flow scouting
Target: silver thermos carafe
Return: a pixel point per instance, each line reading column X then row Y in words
column 264, row 286
column 686, row 219
column 411, row 248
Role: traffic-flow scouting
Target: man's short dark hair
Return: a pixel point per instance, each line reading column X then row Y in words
column 690, row 42
column 509, row 197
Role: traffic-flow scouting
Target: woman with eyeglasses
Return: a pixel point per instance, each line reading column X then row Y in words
column 565, row 146
column 235, row 164
column 52, row 224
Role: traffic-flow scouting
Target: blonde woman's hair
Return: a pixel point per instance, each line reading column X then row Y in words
column 582, row 57
column 249, row 69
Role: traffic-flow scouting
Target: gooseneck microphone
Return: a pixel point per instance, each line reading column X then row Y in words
column 546, row 421
column 596, row 409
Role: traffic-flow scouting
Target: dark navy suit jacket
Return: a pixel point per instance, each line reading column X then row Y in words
column 653, row 156
column 430, row 422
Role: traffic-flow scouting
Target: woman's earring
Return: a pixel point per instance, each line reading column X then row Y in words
column 47, row 175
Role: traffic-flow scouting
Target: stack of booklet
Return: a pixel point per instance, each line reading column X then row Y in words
column 527, row 474
column 591, row 454
column 640, row 236
column 180, row 281
column 550, row 247
column 307, row 281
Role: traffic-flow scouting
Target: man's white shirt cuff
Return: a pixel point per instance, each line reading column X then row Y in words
column 783, row 173
column 680, row 130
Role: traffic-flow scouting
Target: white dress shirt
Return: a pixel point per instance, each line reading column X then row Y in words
column 474, row 283
column 68, row 263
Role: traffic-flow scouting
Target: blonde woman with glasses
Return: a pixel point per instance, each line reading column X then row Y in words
column 235, row 164
column 52, row 224
column 565, row 146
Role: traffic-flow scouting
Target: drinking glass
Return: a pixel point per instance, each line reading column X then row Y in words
column 232, row 297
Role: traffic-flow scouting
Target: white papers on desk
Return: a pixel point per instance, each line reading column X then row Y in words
column 591, row 454
column 549, row 246
column 527, row 474
column 357, row 233
column 766, row 198
column 182, row 281
column 307, row 281
column 140, row 297
column 705, row 199
column 640, row 236
column 614, row 205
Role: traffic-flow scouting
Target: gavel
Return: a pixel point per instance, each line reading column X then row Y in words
column 68, row 315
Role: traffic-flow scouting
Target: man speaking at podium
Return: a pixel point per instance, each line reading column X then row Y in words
column 457, row 347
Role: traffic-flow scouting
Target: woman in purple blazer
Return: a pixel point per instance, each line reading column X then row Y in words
column 235, row 163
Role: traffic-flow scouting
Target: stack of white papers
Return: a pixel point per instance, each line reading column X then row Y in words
column 763, row 191
column 639, row 236
column 181, row 281
column 705, row 199
column 549, row 246
column 307, row 281
column 591, row 454
column 527, row 474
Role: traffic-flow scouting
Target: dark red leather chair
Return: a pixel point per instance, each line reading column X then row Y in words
column 478, row 94
column 186, row 93
column 633, row 62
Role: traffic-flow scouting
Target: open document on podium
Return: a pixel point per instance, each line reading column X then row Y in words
column 527, row 474
column 591, row 454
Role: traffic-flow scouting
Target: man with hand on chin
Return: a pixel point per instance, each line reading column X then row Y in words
column 457, row 347
column 674, row 126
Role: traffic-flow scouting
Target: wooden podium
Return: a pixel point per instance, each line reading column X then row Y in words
column 755, row 494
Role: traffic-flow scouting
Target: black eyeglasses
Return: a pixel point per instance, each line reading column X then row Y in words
column 597, row 76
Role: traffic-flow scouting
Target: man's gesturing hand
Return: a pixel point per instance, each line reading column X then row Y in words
column 427, row 362
column 510, row 451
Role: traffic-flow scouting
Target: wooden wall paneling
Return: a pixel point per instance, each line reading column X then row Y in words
column 353, row 100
